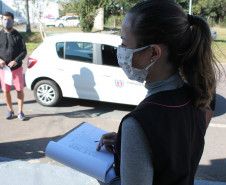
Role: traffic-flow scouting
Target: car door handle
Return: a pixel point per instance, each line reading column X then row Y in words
column 60, row 69
column 107, row 76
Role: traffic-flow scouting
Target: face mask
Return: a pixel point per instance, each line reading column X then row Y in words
column 7, row 24
column 125, row 57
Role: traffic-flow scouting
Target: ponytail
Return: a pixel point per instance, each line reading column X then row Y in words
column 199, row 63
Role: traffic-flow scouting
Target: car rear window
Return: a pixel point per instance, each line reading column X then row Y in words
column 79, row 51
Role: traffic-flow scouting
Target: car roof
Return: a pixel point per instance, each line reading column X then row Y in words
column 107, row 39
column 66, row 16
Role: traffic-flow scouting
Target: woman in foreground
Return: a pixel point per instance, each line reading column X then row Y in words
column 162, row 140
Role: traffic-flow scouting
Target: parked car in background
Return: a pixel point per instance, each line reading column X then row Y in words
column 68, row 21
column 51, row 21
column 19, row 20
column 213, row 34
column 80, row 65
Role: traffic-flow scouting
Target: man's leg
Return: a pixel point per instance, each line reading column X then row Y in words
column 20, row 100
column 8, row 100
column 18, row 81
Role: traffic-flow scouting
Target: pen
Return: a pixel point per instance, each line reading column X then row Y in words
column 113, row 165
column 96, row 141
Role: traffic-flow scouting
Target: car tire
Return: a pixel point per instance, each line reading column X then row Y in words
column 47, row 93
column 60, row 25
column 78, row 25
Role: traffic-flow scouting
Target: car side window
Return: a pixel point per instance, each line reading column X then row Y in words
column 109, row 55
column 81, row 51
column 60, row 49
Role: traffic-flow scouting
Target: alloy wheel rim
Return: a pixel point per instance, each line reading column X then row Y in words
column 46, row 93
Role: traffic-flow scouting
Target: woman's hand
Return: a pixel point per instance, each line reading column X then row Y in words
column 108, row 141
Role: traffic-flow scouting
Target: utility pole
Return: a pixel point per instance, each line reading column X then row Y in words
column 190, row 7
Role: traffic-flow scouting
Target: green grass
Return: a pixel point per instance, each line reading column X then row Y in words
column 219, row 45
column 31, row 46
column 32, row 40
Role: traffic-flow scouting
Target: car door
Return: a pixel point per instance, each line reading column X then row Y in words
column 76, row 60
column 74, row 21
column 70, row 21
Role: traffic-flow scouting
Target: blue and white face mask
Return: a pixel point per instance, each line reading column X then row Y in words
column 125, row 57
column 7, row 24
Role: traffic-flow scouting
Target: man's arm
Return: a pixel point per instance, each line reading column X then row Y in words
column 23, row 52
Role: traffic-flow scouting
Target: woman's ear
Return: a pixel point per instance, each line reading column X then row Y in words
column 156, row 52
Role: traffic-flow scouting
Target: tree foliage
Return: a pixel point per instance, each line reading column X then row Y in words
column 210, row 8
column 87, row 9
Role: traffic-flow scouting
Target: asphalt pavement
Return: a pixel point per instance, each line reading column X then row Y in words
column 22, row 144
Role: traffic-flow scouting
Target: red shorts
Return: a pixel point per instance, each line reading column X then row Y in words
column 18, row 80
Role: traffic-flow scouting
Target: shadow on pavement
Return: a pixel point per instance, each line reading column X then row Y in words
column 216, row 171
column 15, row 103
column 74, row 114
column 28, row 149
column 220, row 108
column 70, row 102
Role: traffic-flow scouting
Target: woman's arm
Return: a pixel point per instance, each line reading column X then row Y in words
column 136, row 163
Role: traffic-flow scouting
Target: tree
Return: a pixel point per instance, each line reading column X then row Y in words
column 110, row 8
column 125, row 5
column 184, row 4
column 38, row 6
column 87, row 10
column 28, row 25
column 210, row 8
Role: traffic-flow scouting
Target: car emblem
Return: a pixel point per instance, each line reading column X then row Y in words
column 119, row 83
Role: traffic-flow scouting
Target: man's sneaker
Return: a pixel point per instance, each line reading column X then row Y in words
column 10, row 115
column 21, row 116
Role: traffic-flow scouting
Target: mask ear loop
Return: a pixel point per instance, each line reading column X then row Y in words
column 152, row 62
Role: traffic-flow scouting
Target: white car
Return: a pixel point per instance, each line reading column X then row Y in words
column 213, row 34
column 68, row 21
column 80, row 65
column 51, row 21
column 19, row 20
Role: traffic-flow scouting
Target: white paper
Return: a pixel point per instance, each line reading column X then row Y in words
column 78, row 151
column 8, row 75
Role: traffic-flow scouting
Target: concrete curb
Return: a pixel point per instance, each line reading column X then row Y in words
column 20, row 172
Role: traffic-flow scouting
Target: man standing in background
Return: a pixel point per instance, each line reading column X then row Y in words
column 12, row 52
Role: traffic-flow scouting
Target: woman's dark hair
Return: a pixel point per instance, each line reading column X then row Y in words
column 8, row 14
column 188, row 39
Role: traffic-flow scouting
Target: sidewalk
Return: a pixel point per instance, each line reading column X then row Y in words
column 18, row 172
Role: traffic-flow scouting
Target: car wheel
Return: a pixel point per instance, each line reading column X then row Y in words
column 47, row 93
column 61, row 26
column 78, row 25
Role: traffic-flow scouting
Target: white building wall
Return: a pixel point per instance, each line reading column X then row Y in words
column 99, row 19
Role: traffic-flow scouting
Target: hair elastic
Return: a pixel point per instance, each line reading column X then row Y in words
column 191, row 19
